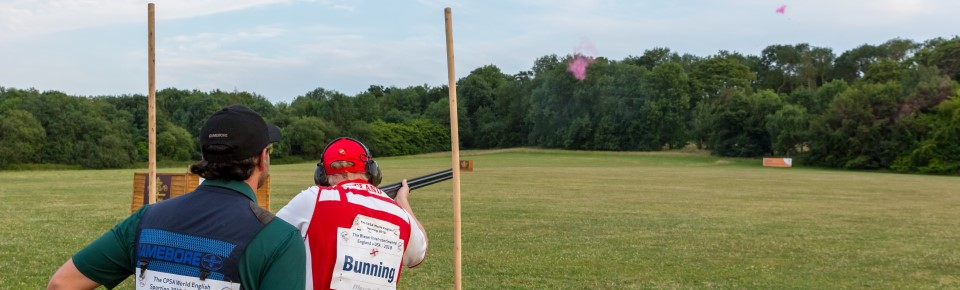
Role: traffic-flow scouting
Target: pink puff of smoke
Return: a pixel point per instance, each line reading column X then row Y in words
column 578, row 66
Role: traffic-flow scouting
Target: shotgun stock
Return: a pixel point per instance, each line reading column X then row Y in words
column 391, row 190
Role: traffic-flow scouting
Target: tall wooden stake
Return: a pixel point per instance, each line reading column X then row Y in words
column 151, row 107
column 455, row 147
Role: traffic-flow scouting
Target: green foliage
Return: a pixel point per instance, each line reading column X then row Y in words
column 859, row 129
column 740, row 124
column 884, row 70
column 788, row 129
column 783, row 68
column 189, row 109
column 413, row 137
column 723, row 71
column 439, row 112
column 579, row 134
column 825, row 96
column 110, row 151
column 307, row 137
column 873, row 124
column 491, row 109
column 513, row 105
column 620, row 98
column 667, row 86
column 938, row 151
column 136, row 106
column 871, row 107
column 175, row 143
column 619, row 106
column 88, row 132
column 701, row 123
column 653, row 57
column 551, row 103
column 944, row 54
column 853, row 64
column 21, row 138
column 330, row 105
column 856, row 63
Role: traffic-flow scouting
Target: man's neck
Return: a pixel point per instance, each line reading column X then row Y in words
column 254, row 180
column 340, row 178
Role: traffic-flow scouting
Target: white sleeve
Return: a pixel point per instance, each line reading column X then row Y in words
column 299, row 210
column 417, row 247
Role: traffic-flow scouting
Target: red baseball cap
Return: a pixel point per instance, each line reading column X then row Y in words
column 345, row 149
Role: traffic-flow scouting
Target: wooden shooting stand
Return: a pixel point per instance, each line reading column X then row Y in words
column 170, row 185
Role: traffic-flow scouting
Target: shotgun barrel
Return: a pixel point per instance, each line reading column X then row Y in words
column 391, row 189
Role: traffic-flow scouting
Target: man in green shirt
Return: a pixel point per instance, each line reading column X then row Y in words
column 215, row 237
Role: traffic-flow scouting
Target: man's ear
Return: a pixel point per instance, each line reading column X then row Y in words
column 264, row 160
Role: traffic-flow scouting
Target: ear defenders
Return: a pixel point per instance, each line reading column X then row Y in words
column 370, row 165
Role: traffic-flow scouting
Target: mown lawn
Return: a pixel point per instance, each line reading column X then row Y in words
column 546, row 219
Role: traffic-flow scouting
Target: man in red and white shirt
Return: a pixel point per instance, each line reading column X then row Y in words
column 355, row 235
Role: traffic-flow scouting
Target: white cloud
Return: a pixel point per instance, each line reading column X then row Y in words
column 24, row 18
column 343, row 5
column 207, row 41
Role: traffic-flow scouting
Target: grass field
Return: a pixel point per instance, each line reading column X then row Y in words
column 544, row 219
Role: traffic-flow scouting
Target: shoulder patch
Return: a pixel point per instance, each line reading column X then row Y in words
column 262, row 214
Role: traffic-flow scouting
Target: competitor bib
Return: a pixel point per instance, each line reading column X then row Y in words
column 151, row 280
column 369, row 255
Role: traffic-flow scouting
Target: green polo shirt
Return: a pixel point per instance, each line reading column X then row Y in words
column 274, row 259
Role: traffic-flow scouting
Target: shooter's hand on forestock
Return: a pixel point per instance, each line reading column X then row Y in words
column 403, row 193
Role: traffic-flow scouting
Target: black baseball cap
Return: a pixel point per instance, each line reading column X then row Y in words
column 239, row 128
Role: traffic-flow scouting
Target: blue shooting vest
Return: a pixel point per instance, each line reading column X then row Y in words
column 201, row 234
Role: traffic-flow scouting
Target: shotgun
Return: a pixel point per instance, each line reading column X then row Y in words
column 391, row 190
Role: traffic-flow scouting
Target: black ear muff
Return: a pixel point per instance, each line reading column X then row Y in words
column 373, row 170
column 320, row 175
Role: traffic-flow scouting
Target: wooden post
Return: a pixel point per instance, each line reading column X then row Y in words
column 151, row 106
column 455, row 150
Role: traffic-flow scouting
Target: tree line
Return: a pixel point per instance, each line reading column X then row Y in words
column 894, row 105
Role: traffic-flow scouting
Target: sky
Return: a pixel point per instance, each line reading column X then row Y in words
column 281, row 49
